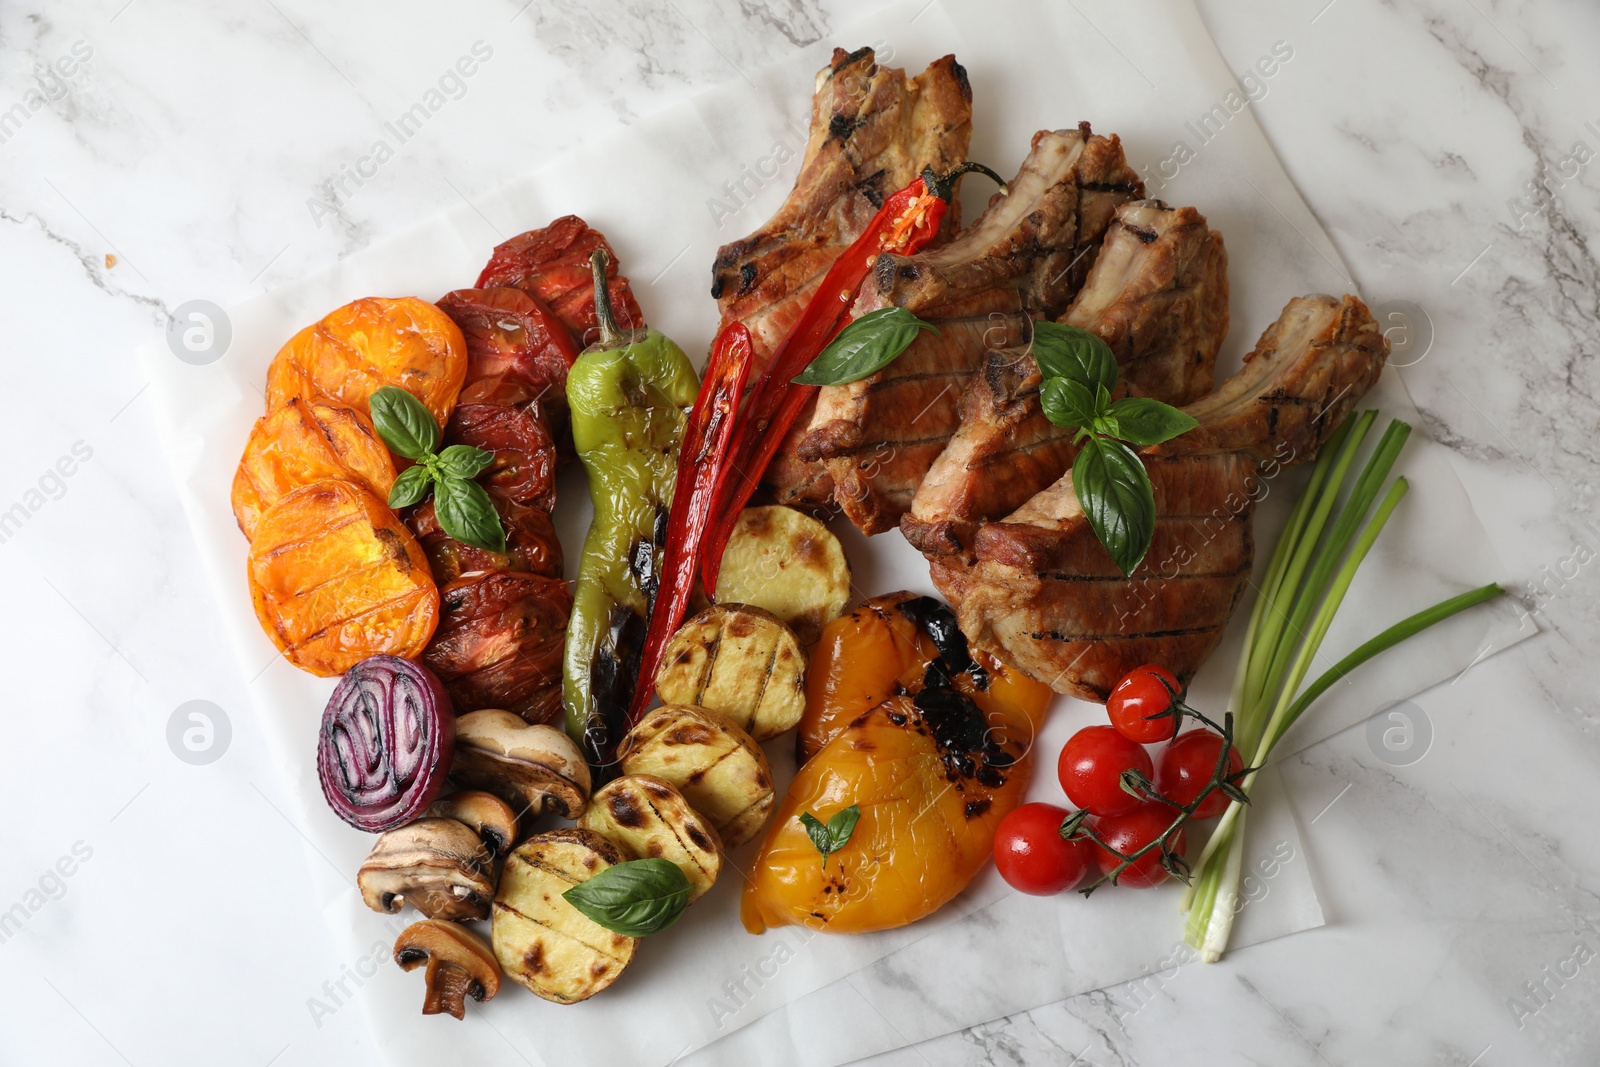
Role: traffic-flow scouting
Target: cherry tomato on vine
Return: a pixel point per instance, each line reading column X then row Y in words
column 1031, row 855
column 1091, row 766
column 1187, row 766
column 1129, row 832
column 1140, row 694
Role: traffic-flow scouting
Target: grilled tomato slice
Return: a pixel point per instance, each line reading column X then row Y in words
column 516, row 348
column 531, row 543
column 304, row 442
column 524, row 466
column 499, row 643
column 552, row 265
column 510, row 332
column 336, row 577
column 370, row 343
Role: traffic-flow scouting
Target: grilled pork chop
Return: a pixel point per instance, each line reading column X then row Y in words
column 1158, row 295
column 1025, row 257
column 872, row 131
column 1043, row 591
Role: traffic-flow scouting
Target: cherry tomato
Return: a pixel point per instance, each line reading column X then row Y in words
column 1139, row 695
column 1091, row 766
column 1187, row 766
column 1032, row 857
column 1129, row 832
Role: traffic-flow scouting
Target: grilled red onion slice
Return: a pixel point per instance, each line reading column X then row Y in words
column 388, row 735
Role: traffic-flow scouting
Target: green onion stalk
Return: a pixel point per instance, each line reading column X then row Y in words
column 1306, row 580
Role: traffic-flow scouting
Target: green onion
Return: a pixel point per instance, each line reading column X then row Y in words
column 1309, row 573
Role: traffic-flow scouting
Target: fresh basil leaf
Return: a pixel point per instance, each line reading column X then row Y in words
column 1115, row 492
column 1142, row 421
column 403, row 423
column 833, row 835
column 1070, row 352
column 1066, row 402
column 635, row 899
column 466, row 513
column 843, row 825
column 463, row 461
column 411, row 487
column 864, row 347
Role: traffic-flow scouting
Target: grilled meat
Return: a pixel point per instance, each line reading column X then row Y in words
column 1158, row 295
column 1044, row 593
column 872, row 131
column 1025, row 257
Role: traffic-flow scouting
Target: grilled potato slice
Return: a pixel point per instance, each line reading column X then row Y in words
column 718, row 768
column 741, row 662
column 788, row 563
column 541, row 941
column 646, row 818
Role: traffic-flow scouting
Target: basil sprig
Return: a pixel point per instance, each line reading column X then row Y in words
column 1080, row 373
column 864, row 347
column 831, row 836
column 463, row 507
column 635, row 899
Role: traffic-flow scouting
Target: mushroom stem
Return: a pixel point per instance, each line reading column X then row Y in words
column 448, row 988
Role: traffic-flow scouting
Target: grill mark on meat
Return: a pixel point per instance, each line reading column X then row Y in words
column 841, row 127
column 1025, row 256
column 1062, row 577
column 1040, row 590
column 1157, row 295
column 1052, row 635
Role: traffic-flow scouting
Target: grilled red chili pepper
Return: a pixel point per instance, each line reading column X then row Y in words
column 704, row 463
column 908, row 220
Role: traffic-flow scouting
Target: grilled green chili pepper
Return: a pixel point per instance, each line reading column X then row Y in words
column 628, row 394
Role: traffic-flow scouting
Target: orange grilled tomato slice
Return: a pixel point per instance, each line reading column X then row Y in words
column 304, row 442
column 369, row 343
column 336, row 577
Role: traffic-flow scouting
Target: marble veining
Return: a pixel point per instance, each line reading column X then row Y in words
column 1438, row 144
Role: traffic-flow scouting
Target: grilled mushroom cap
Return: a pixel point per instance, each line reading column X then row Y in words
column 438, row 866
column 533, row 768
column 486, row 813
column 460, row 965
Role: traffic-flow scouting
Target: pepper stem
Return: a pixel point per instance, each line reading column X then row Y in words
column 944, row 185
column 610, row 332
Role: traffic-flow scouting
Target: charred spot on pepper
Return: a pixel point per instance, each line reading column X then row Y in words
column 936, row 619
column 659, row 533
column 976, row 808
column 955, row 722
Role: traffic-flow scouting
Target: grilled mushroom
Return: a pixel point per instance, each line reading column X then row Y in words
column 438, row 866
column 533, row 768
column 460, row 965
column 491, row 817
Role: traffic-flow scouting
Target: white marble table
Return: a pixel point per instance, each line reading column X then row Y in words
column 175, row 152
